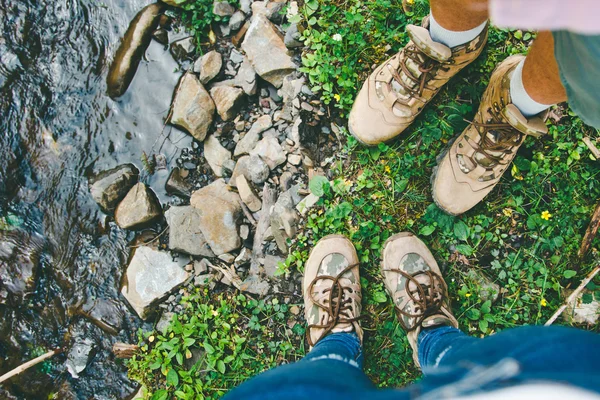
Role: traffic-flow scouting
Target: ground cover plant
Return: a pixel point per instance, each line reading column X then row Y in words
column 523, row 238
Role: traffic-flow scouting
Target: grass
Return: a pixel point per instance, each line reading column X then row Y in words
column 524, row 236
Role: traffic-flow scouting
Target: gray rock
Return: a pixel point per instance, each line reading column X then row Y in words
column 216, row 155
column 284, row 220
column 291, row 88
column 104, row 313
column 246, row 6
column 236, row 21
column 236, row 57
column 580, row 313
column 249, row 141
column 164, row 322
column 307, row 203
column 271, row 264
column 184, row 231
column 246, row 78
column 266, row 51
column 227, row 258
column 250, row 199
column 161, row 36
column 79, row 356
column 228, row 101
column 109, row 187
column 139, row 208
column 177, row 184
column 228, row 167
column 270, row 151
column 253, row 168
column 151, row 276
column 183, row 49
column 19, row 261
column 286, row 180
column 295, row 159
column 487, row 289
column 208, row 66
column 193, row 109
column 200, row 267
column 292, row 37
column 223, row 9
column 243, row 258
column 220, row 213
column 244, row 232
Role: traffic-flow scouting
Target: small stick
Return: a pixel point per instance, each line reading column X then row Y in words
column 28, row 365
column 590, row 233
column 247, row 213
column 124, row 350
column 592, row 147
column 573, row 296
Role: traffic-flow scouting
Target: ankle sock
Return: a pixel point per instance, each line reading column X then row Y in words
column 452, row 38
column 528, row 106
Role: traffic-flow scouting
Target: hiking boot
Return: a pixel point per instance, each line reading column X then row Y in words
column 415, row 283
column 398, row 90
column 331, row 289
column 476, row 160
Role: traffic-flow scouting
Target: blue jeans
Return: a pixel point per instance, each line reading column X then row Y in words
column 453, row 364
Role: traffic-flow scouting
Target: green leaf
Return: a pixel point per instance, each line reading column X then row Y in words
column 486, row 307
column 569, row 273
column 172, row 377
column 461, row 230
column 587, row 298
column 379, row 297
column 426, row 230
column 221, row 366
column 208, row 347
column 317, row 185
column 464, row 249
column 188, row 342
column 161, row 394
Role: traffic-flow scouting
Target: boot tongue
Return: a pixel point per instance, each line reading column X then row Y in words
column 534, row 126
column 422, row 39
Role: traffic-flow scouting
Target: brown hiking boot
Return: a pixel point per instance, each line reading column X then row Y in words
column 398, row 90
column 476, row 160
column 415, row 283
column 331, row 288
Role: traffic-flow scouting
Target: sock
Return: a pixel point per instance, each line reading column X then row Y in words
column 452, row 38
column 528, row 106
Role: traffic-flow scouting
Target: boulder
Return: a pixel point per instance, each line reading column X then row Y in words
column 151, row 276
column 109, row 187
column 266, row 51
column 177, row 183
column 223, row 9
column 184, row 231
column 208, row 66
column 228, row 100
column 250, row 199
column 139, row 208
column 246, row 78
column 220, row 212
column 20, row 254
column 193, row 109
column 249, row 141
column 183, row 49
column 270, row 151
column 216, row 155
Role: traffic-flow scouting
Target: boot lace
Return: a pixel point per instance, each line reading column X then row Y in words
column 338, row 305
column 427, row 66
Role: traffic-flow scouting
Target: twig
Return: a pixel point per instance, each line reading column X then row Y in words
column 28, row 365
column 247, row 213
column 590, row 233
column 145, row 243
column 573, row 295
column 592, row 147
column 124, row 350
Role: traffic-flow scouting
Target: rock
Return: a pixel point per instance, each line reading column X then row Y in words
column 178, row 185
column 220, row 212
column 215, row 155
column 223, row 9
column 292, row 37
column 291, row 88
column 151, row 276
column 20, row 254
column 161, row 36
column 164, row 322
column 240, row 35
column 249, row 141
column 228, row 167
column 253, row 168
column 236, row 57
column 79, row 356
column 228, row 101
column 193, row 109
column 244, row 232
column 271, row 265
column 286, row 180
column 270, row 151
column 487, row 289
column 307, row 203
column 227, row 258
column 200, row 267
column 246, row 78
column 183, row 49
column 580, row 313
column 294, row 159
column 247, row 194
column 283, row 220
column 174, row 3
column 139, row 208
column 109, row 187
column 295, row 310
column 236, row 21
column 245, row 6
column 266, row 51
column 208, row 66
column 243, row 258
column 104, row 313
column 184, row 231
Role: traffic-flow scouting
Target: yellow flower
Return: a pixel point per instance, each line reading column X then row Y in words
column 411, row 2
column 508, row 212
column 546, row 215
column 388, row 169
column 215, row 313
column 336, row 97
column 468, row 295
column 543, row 303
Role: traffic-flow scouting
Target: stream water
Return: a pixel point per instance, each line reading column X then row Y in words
column 58, row 126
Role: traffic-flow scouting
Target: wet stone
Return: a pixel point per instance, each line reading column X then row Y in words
column 104, row 313
column 79, row 356
column 184, row 231
column 109, row 187
column 193, row 109
column 161, row 36
column 139, row 208
column 19, row 261
column 178, row 185
column 183, row 49
column 151, row 276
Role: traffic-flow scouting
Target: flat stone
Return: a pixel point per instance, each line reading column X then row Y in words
column 270, row 151
column 307, row 203
column 151, row 276
column 79, row 356
column 193, row 109
column 250, row 199
column 208, row 66
column 220, row 213
column 227, row 100
column 139, row 208
column 243, row 258
column 216, row 155
column 227, row 258
column 246, row 78
column 223, row 9
column 249, row 141
column 271, row 265
column 295, row 159
column 109, row 187
column 183, row 49
column 244, row 232
column 104, row 313
column 236, row 20
column 200, row 267
column 245, row 6
column 178, row 185
column 184, row 231
column 283, row 220
column 266, row 51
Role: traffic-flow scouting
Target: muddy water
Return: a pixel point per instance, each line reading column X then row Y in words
column 57, row 126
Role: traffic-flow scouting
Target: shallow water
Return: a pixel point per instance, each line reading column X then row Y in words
column 58, row 125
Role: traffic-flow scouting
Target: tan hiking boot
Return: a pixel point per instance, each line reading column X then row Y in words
column 476, row 160
column 415, row 283
column 331, row 288
column 398, row 90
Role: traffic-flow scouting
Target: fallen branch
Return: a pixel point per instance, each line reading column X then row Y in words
column 590, row 233
column 124, row 350
column 28, row 365
column 573, row 296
